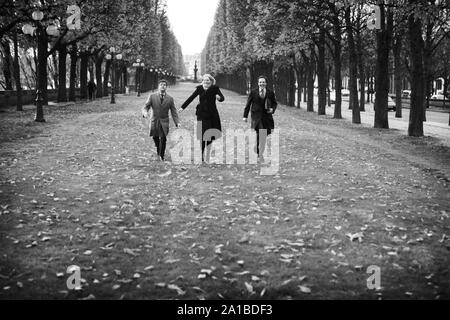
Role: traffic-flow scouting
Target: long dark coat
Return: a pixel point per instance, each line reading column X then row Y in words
column 159, row 123
column 207, row 114
column 261, row 118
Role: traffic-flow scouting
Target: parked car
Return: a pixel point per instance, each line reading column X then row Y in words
column 406, row 94
column 333, row 96
column 391, row 104
column 438, row 96
column 344, row 93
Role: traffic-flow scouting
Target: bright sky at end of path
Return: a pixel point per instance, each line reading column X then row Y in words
column 191, row 21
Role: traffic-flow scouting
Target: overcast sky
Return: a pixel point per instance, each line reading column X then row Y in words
column 191, row 21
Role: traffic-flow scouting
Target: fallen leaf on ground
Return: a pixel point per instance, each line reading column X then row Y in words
column 357, row 236
column 130, row 252
column 249, row 287
column 304, row 289
column 170, row 261
column 177, row 289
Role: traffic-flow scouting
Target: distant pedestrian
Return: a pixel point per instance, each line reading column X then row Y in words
column 92, row 87
column 159, row 104
column 207, row 115
column 262, row 104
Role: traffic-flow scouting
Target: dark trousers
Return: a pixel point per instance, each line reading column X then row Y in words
column 160, row 143
column 91, row 94
column 261, row 138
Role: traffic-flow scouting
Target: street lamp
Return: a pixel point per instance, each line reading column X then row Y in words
column 51, row 30
column 195, row 71
column 138, row 65
column 113, row 56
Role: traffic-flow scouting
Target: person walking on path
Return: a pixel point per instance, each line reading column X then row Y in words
column 159, row 104
column 208, row 119
column 91, row 89
column 262, row 104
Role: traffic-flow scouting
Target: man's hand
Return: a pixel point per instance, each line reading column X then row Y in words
column 245, row 119
column 180, row 110
column 144, row 114
column 217, row 97
column 178, row 125
column 270, row 110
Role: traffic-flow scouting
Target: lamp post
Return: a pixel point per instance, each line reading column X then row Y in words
column 195, row 71
column 112, row 55
column 152, row 78
column 37, row 17
column 138, row 65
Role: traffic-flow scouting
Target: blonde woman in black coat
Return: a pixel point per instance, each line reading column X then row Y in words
column 207, row 114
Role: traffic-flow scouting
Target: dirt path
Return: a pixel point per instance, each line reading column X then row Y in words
column 86, row 192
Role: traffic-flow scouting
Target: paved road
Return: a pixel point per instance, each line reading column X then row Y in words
column 436, row 126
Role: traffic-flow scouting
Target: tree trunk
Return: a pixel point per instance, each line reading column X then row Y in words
column 446, row 81
column 125, row 77
column 84, row 59
column 106, row 78
column 322, row 74
column 372, row 88
column 337, row 68
column 361, row 68
column 73, row 72
column 309, row 77
column 305, row 83
column 415, row 128
column 427, row 65
column 310, row 84
column 299, row 77
column 17, row 72
column 7, row 64
column 42, row 63
column 382, row 75
column 98, row 74
column 398, row 74
column 55, row 71
column 41, row 73
column 297, row 73
column 362, row 93
column 62, row 88
column 117, row 78
column 291, row 87
column 353, row 59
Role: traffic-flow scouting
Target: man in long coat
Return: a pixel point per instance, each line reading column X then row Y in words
column 159, row 105
column 262, row 104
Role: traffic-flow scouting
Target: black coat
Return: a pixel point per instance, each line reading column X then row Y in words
column 261, row 118
column 206, row 112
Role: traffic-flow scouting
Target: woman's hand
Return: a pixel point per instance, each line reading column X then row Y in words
column 218, row 97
